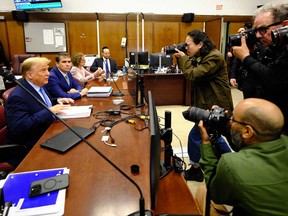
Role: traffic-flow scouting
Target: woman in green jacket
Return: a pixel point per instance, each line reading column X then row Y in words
column 206, row 68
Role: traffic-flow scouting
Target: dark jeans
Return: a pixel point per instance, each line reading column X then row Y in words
column 194, row 142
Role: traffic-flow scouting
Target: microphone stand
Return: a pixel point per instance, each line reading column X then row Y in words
column 142, row 212
column 119, row 93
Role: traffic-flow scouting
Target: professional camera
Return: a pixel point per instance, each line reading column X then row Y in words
column 280, row 36
column 250, row 35
column 171, row 49
column 215, row 120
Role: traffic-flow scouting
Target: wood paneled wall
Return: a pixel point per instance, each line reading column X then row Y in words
column 81, row 31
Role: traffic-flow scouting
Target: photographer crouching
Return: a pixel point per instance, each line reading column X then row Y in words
column 254, row 180
column 271, row 71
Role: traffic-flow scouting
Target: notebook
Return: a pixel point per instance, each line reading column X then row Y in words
column 65, row 140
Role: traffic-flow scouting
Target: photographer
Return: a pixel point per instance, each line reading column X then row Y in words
column 271, row 71
column 254, row 180
column 206, row 68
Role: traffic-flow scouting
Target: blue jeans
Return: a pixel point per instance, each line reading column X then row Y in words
column 194, row 142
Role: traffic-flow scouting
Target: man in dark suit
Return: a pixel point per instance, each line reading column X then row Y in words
column 27, row 119
column 109, row 67
column 61, row 82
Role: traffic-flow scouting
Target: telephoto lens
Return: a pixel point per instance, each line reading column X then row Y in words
column 171, row 49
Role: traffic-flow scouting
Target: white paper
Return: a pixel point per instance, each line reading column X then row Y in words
column 76, row 112
column 48, row 36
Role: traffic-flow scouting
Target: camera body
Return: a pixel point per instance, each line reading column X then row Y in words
column 250, row 36
column 171, row 49
column 215, row 120
column 280, row 36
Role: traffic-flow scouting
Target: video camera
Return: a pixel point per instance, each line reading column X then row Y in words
column 280, row 36
column 250, row 36
column 215, row 121
column 171, row 49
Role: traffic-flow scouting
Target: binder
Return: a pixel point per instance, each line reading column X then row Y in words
column 16, row 190
column 99, row 91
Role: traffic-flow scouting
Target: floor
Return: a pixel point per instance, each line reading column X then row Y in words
column 181, row 128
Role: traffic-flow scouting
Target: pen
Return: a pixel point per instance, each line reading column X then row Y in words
column 6, row 208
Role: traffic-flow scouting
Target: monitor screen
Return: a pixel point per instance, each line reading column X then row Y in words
column 138, row 57
column 155, row 58
column 155, row 150
column 37, row 4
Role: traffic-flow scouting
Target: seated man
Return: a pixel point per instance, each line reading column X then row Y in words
column 26, row 118
column 106, row 63
column 254, row 180
column 61, row 82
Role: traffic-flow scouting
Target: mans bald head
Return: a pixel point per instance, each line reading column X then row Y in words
column 264, row 116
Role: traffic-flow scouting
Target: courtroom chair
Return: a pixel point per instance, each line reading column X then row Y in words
column 8, row 150
column 17, row 62
column 6, row 94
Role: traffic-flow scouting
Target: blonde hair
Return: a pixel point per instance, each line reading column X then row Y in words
column 30, row 62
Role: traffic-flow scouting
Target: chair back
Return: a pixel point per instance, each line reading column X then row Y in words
column 3, row 126
column 6, row 94
column 17, row 62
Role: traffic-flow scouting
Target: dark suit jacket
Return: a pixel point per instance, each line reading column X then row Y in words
column 58, row 86
column 27, row 119
column 98, row 62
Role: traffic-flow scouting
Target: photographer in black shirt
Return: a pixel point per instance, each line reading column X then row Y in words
column 271, row 71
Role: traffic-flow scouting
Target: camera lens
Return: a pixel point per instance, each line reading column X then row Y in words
column 196, row 114
column 171, row 49
column 279, row 37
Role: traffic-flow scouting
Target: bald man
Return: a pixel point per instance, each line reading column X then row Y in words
column 254, row 180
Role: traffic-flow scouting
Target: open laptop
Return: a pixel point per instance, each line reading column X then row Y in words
column 65, row 140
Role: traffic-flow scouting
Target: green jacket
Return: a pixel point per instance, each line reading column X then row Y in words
column 253, row 180
column 209, row 81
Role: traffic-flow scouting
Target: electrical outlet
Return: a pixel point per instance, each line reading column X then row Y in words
column 123, row 42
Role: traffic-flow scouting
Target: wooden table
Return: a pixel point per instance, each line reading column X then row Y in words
column 97, row 188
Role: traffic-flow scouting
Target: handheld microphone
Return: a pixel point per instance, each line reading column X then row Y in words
column 142, row 212
column 119, row 93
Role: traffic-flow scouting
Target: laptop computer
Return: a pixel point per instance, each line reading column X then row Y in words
column 65, row 140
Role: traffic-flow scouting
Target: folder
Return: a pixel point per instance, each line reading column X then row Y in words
column 16, row 190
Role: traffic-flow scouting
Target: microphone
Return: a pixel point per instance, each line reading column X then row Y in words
column 119, row 93
column 142, row 212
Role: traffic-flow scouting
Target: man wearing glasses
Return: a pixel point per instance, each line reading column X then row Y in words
column 254, row 180
column 272, row 74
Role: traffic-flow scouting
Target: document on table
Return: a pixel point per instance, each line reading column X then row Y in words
column 76, row 112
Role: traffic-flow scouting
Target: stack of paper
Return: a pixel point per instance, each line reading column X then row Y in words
column 76, row 112
column 99, row 91
column 16, row 190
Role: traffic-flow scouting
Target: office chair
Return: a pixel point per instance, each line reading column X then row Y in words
column 8, row 150
column 6, row 94
column 17, row 62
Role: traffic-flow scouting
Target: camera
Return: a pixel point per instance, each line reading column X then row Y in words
column 171, row 49
column 250, row 36
column 280, row 36
column 214, row 120
column 6, row 74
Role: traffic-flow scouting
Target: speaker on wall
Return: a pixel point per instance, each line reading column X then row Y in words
column 188, row 17
column 20, row 15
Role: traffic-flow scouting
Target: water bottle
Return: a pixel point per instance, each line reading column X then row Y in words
column 124, row 69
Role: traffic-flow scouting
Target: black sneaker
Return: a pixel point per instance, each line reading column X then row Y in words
column 194, row 174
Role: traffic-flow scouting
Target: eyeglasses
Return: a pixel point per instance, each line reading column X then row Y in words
column 239, row 122
column 243, row 123
column 263, row 30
